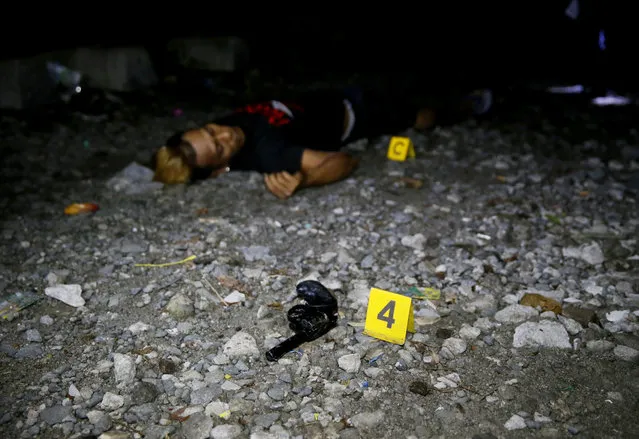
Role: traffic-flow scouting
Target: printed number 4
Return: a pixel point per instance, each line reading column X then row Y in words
column 387, row 313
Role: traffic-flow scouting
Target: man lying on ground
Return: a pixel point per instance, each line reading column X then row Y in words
column 296, row 144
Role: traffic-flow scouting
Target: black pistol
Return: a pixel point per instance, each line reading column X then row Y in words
column 314, row 317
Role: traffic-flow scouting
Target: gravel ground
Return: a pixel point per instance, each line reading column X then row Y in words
column 526, row 225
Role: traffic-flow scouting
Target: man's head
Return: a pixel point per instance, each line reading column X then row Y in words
column 174, row 162
column 197, row 154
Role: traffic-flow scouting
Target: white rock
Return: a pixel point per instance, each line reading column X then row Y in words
column 343, row 257
column 262, row 312
column 69, row 294
column 468, row 332
column 359, row 292
column 626, row 353
column 572, row 326
column 332, row 284
column 484, row 324
column 111, row 401
column 46, row 320
column 373, row 372
column 235, row 297
column 455, row 345
column 599, row 345
column 139, row 327
column 481, row 303
column 515, row 422
column 451, row 380
column 593, row 289
column 180, row 306
column 241, row 344
column 590, row 253
column 327, row 257
column 226, row 431
column 216, row 408
column 515, row 314
column 230, row 386
column 350, row 363
column 124, row 369
column 617, row 316
column 538, row 417
column 440, row 269
column 416, row 241
column 511, row 299
column 367, row 419
column 73, row 391
column 96, row 416
column 546, row 333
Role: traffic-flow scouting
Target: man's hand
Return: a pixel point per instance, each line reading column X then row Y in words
column 283, row 184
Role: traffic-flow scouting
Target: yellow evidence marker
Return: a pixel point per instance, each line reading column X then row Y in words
column 399, row 148
column 389, row 316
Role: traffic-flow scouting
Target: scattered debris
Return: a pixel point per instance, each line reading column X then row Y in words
column 545, row 303
column 78, row 208
column 168, row 264
column 14, row 303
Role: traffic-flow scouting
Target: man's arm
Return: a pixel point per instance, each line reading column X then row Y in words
column 317, row 168
column 321, row 167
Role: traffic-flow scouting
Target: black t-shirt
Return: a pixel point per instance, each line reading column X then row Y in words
column 278, row 132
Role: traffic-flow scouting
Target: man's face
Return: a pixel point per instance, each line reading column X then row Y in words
column 214, row 145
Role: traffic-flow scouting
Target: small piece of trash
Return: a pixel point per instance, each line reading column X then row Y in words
column 537, row 300
column 16, row 302
column 78, row 208
column 432, row 293
column 356, row 324
column 423, row 293
column 225, row 414
column 167, row 264
column 374, row 360
column 553, row 218
column 412, row 183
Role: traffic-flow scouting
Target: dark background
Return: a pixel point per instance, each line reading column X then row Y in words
column 489, row 42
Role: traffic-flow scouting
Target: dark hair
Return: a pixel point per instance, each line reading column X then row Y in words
column 175, row 139
column 177, row 143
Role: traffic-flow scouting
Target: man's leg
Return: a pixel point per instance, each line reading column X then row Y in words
column 454, row 108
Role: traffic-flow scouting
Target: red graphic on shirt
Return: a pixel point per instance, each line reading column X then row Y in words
column 274, row 116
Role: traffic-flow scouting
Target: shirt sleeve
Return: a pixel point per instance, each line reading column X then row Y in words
column 276, row 154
